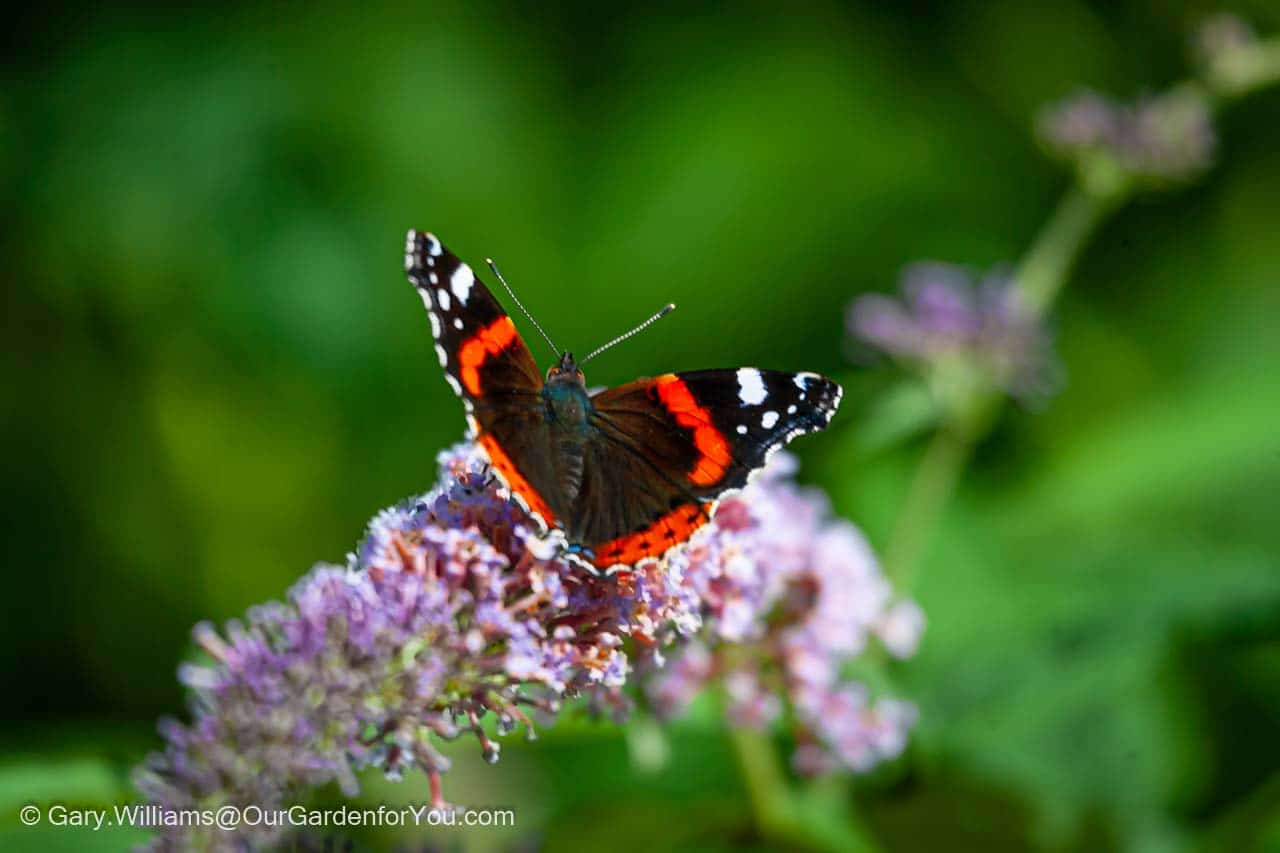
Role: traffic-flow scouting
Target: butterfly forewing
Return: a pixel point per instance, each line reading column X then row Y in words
column 477, row 344
column 489, row 366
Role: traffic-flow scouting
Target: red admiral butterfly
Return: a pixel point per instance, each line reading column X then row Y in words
column 628, row 472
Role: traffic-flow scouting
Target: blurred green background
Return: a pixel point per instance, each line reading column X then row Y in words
column 215, row 372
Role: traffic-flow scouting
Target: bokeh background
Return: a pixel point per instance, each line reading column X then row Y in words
column 215, row 372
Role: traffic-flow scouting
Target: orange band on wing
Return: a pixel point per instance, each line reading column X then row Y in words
column 515, row 481
column 714, row 459
column 489, row 341
column 671, row 529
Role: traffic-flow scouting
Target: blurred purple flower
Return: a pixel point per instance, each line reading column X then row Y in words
column 1227, row 50
column 1165, row 137
column 790, row 597
column 1083, row 122
column 1223, row 36
column 453, row 611
column 899, row 628
column 945, row 317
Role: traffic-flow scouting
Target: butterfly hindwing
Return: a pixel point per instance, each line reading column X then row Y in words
column 489, row 366
column 679, row 442
column 635, row 500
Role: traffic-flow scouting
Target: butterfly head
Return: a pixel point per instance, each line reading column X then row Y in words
column 565, row 372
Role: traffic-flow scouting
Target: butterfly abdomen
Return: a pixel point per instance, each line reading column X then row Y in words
column 568, row 416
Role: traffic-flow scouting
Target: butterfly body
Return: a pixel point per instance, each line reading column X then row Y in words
column 567, row 411
column 568, row 404
column 627, row 473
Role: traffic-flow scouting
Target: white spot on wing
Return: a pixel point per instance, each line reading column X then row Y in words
column 768, row 419
column 442, row 355
column 791, row 410
column 433, row 245
column 457, row 324
column 435, row 323
column 742, row 429
column 445, row 301
column 410, row 250
column 461, row 283
column 751, row 387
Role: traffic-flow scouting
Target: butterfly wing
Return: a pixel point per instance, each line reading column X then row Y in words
column 489, row 366
column 679, row 442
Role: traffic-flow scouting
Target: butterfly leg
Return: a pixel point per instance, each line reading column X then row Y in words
column 581, row 555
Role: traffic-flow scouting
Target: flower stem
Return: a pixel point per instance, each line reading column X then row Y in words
column 1047, row 264
column 1041, row 275
column 779, row 811
column 931, row 487
column 766, row 786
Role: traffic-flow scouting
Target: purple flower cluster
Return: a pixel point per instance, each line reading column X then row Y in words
column 791, row 596
column 1165, row 137
column 454, row 611
column 1227, row 50
column 1222, row 35
column 947, row 325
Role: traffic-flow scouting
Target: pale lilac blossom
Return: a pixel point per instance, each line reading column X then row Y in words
column 899, row 628
column 1158, row 138
column 1229, row 53
column 947, row 321
column 790, row 596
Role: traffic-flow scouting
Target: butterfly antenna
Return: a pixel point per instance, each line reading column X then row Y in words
column 666, row 309
column 520, row 304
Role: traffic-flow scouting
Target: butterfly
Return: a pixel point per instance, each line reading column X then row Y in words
column 625, row 473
